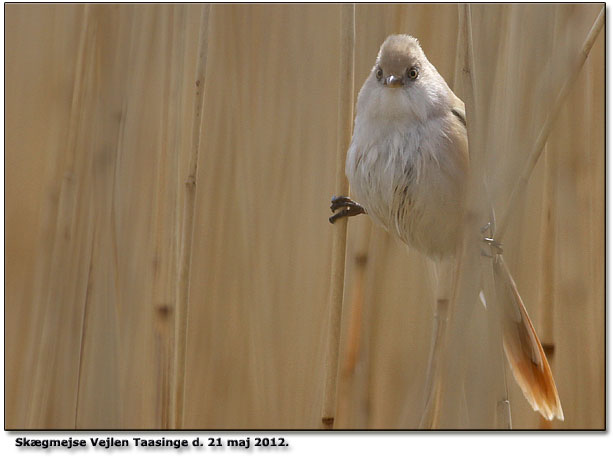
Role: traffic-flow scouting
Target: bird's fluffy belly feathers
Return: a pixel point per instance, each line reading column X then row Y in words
column 410, row 187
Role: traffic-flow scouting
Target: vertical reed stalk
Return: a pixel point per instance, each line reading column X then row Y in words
column 355, row 347
column 495, row 375
column 64, row 218
column 47, row 232
column 339, row 240
column 537, row 149
column 357, row 311
column 182, row 293
column 547, row 241
column 547, row 288
column 165, row 210
column 474, row 270
column 453, row 344
column 446, row 275
column 443, row 278
column 466, row 275
column 548, row 234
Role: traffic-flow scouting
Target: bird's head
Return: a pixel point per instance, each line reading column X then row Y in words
column 403, row 83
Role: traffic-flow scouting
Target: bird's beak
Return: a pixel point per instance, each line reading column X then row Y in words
column 393, row 81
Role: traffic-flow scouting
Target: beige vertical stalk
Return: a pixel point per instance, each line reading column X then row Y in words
column 451, row 401
column 357, row 305
column 547, row 241
column 339, row 240
column 355, row 333
column 183, row 279
column 166, row 211
column 59, row 261
column 444, row 308
column 548, row 232
column 474, row 272
column 444, row 276
column 537, row 149
column 547, row 281
column 467, row 276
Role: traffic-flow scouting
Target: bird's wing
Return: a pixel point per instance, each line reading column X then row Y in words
column 458, row 131
column 458, row 109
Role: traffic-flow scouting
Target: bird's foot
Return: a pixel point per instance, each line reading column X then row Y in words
column 495, row 246
column 347, row 208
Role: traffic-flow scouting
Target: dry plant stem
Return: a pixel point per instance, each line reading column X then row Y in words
column 64, row 217
column 473, row 270
column 182, row 294
column 503, row 413
column 339, row 237
column 535, row 153
column 345, row 415
column 548, row 234
column 165, row 210
column 444, row 275
column 465, row 277
column 355, row 322
column 440, row 338
column 449, row 407
column 431, row 396
column 496, row 355
column 547, row 281
column 432, row 389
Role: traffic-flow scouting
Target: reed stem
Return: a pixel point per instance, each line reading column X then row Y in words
column 61, row 222
column 573, row 73
column 339, row 237
column 448, row 273
column 183, row 280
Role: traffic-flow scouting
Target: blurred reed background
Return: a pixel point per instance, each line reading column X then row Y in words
column 99, row 123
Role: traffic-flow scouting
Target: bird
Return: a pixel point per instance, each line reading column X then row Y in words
column 407, row 166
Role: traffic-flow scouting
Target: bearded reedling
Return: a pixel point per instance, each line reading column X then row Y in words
column 407, row 166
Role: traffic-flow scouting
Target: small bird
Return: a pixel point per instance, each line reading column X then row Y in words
column 407, row 166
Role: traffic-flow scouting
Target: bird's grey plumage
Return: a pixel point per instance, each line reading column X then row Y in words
column 407, row 166
column 408, row 158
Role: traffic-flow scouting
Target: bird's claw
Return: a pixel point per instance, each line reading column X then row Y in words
column 341, row 202
column 347, row 208
column 494, row 245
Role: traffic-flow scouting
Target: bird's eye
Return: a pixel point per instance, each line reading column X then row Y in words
column 379, row 73
column 412, row 73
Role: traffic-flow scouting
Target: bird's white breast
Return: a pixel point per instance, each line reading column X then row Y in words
column 401, row 170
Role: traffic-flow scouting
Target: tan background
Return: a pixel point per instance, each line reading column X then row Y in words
column 99, row 107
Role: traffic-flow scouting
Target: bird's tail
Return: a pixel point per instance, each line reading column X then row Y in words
column 523, row 348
